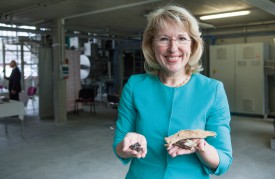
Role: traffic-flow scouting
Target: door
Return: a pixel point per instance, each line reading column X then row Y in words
column 222, row 68
column 250, row 86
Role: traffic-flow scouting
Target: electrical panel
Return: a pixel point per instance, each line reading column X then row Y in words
column 241, row 69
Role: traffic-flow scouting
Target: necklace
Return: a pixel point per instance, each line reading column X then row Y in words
column 187, row 78
column 184, row 81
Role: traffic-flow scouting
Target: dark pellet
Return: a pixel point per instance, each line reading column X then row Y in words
column 135, row 147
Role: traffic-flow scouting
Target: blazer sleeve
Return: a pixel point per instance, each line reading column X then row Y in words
column 219, row 121
column 126, row 116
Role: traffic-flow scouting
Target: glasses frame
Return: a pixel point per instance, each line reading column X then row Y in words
column 159, row 44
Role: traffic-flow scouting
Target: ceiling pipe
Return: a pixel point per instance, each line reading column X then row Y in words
column 240, row 34
column 253, row 24
column 265, row 5
column 16, row 29
column 101, row 37
column 69, row 34
column 111, row 9
column 37, row 5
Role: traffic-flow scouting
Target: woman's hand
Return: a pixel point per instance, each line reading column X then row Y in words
column 124, row 147
column 206, row 153
column 175, row 150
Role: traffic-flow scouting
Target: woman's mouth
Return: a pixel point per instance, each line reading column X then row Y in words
column 173, row 59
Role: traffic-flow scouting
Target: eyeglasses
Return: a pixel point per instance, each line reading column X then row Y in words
column 166, row 41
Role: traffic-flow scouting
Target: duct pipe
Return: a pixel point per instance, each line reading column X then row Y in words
column 111, row 9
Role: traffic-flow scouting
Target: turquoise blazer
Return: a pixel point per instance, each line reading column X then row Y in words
column 156, row 111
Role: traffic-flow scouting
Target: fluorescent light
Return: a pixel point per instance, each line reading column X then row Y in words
column 223, row 15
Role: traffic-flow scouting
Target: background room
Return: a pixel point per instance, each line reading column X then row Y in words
column 68, row 48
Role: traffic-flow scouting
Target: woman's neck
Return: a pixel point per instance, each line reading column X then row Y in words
column 174, row 80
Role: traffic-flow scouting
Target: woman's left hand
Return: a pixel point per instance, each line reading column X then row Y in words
column 175, row 150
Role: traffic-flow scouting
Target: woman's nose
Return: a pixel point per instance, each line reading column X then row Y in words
column 173, row 46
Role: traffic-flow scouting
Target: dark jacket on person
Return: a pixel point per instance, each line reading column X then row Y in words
column 15, row 82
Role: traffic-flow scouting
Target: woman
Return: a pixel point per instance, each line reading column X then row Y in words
column 172, row 96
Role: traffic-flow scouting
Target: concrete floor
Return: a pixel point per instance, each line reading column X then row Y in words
column 82, row 148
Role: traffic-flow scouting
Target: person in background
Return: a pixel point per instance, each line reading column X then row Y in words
column 170, row 97
column 14, row 81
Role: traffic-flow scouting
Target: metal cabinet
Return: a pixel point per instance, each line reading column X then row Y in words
column 241, row 68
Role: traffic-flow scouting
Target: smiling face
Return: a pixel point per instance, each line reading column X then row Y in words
column 173, row 56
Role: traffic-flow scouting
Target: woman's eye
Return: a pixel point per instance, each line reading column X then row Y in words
column 164, row 39
column 182, row 39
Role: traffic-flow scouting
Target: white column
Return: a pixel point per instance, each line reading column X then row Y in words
column 59, row 84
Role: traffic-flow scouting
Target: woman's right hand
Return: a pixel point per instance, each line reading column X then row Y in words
column 124, row 150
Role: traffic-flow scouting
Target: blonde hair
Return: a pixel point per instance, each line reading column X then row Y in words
column 159, row 19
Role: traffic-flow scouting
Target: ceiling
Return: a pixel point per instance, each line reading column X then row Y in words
column 126, row 17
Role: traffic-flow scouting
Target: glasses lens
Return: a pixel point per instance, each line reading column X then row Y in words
column 165, row 41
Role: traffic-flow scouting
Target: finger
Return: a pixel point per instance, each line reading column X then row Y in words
column 172, row 150
column 126, row 144
column 135, row 154
column 143, row 152
column 175, row 151
column 174, row 154
column 185, row 151
column 201, row 145
column 143, row 146
column 169, row 147
column 178, row 151
column 138, row 155
column 132, row 152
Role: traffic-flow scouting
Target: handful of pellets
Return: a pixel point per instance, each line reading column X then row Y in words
column 135, row 147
